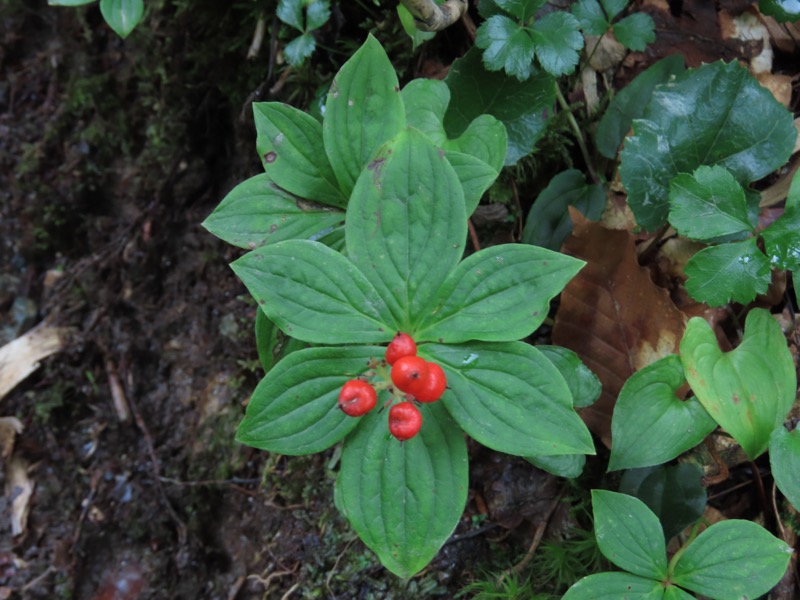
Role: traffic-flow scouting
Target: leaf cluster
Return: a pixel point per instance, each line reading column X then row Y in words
column 304, row 16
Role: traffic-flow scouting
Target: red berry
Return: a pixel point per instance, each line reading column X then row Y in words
column 432, row 387
column 357, row 398
column 405, row 421
column 402, row 345
column 408, row 372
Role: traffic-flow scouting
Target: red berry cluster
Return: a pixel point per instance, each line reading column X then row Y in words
column 412, row 377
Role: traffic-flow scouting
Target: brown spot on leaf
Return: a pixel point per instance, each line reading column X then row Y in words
column 735, row 399
column 270, row 157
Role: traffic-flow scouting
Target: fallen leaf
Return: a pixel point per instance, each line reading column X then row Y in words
column 10, row 427
column 20, row 357
column 19, row 490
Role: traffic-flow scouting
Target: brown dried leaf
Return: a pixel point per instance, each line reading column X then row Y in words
column 612, row 315
column 19, row 490
column 10, row 427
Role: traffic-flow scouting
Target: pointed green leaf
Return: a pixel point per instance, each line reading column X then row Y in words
column 784, row 457
column 568, row 466
column 406, row 225
column 650, row 424
column 706, row 117
column 475, row 176
column 635, row 31
column 299, row 49
column 613, row 586
column 295, row 410
column 289, row 143
column 732, row 559
column 257, row 212
column 591, row 17
column 749, row 390
column 404, row 499
column 782, row 240
column 584, row 385
column 676, row 593
column 629, row 534
column 506, row 45
column 291, row 13
column 362, row 112
column 557, row 42
column 317, row 14
column 510, row 398
column 499, row 294
column 315, row 294
column 122, row 15
column 729, row 272
column 521, row 9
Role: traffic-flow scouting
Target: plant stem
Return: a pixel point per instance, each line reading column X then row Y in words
column 562, row 102
column 428, row 16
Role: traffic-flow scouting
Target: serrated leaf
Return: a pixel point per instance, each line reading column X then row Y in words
column 499, row 294
column 521, row 9
column 257, row 212
column 635, row 31
column 291, row 13
column 404, row 499
column 520, row 106
column 706, row 117
column 295, row 410
column 122, row 15
column 557, row 41
column 290, row 145
column 782, row 240
column 784, row 458
column 729, row 272
column 317, row 14
column 613, row 586
column 754, row 561
column 613, row 7
column 407, row 21
column 510, row 398
column 708, row 204
column 548, row 223
column 568, row 466
column 299, row 49
column 583, row 383
column 363, row 111
column 650, row 424
column 506, row 45
column 748, row 390
column 629, row 534
column 674, row 493
column 591, row 17
column 271, row 343
column 315, row 294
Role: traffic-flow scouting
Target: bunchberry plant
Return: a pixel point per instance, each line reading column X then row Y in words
column 121, row 15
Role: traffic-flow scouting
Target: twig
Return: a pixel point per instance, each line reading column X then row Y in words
column 473, row 236
column 37, row 580
column 722, row 473
column 117, row 393
column 562, row 102
column 258, row 38
column 762, row 493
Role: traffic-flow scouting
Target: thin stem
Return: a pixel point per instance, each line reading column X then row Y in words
column 562, row 102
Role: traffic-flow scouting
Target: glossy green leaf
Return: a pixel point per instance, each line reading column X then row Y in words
column 406, row 225
column 590, row 15
column 676, row 593
column 510, row 398
column 404, row 499
column 272, row 344
column 291, row 13
column 782, row 240
column 520, row 105
column 506, row 45
column 475, row 176
column 499, row 294
column 362, row 112
column 407, row 21
column 635, row 31
column 732, row 559
column 122, row 15
column 716, row 114
column 629, row 534
column 630, row 103
column 290, row 145
column 548, row 223
column 317, row 14
column 521, row 9
column 708, row 204
column 748, row 390
column 295, row 410
column 299, row 49
column 69, row 2
column 557, row 42
column 784, row 11
column 583, row 383
column 729, row 272
column 257, row 212
column 568, row 466
column 784, row 457
column 674, row 493
column 650, row 424
column 315, row 294
column 613, row 586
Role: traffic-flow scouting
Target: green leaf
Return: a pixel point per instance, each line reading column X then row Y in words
column 650, row 424
column 520, row 106
column 548, row 223
column 782, row 240
column 708, row 204
column 257, row 212
column 506, row 46
column 122, row 15
column 510, row 398
column 295, row 410
column 406, row 225
column 404, row 499
column 475, row 176
column 362, row 112
column 291, row 13
column 584, row 385
column 417, row 36
column 591, row 17
column 317, row 14
column 521, row 9
column 613, row 586
column 299, row 49
column 315, row 294
column 635, row 31
column 568, row 466
column 783, row 11
column 290, row 145
column 69, row 2
column 630, row 103
column 613, row 7
column 272, row 344
column 730, row 272
column 557, row 42
column 793, row 197
column 732, row 559
column 499, row 294
column 706, row 117
column 749, row 390
column 784, row 457
column 675, row 494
